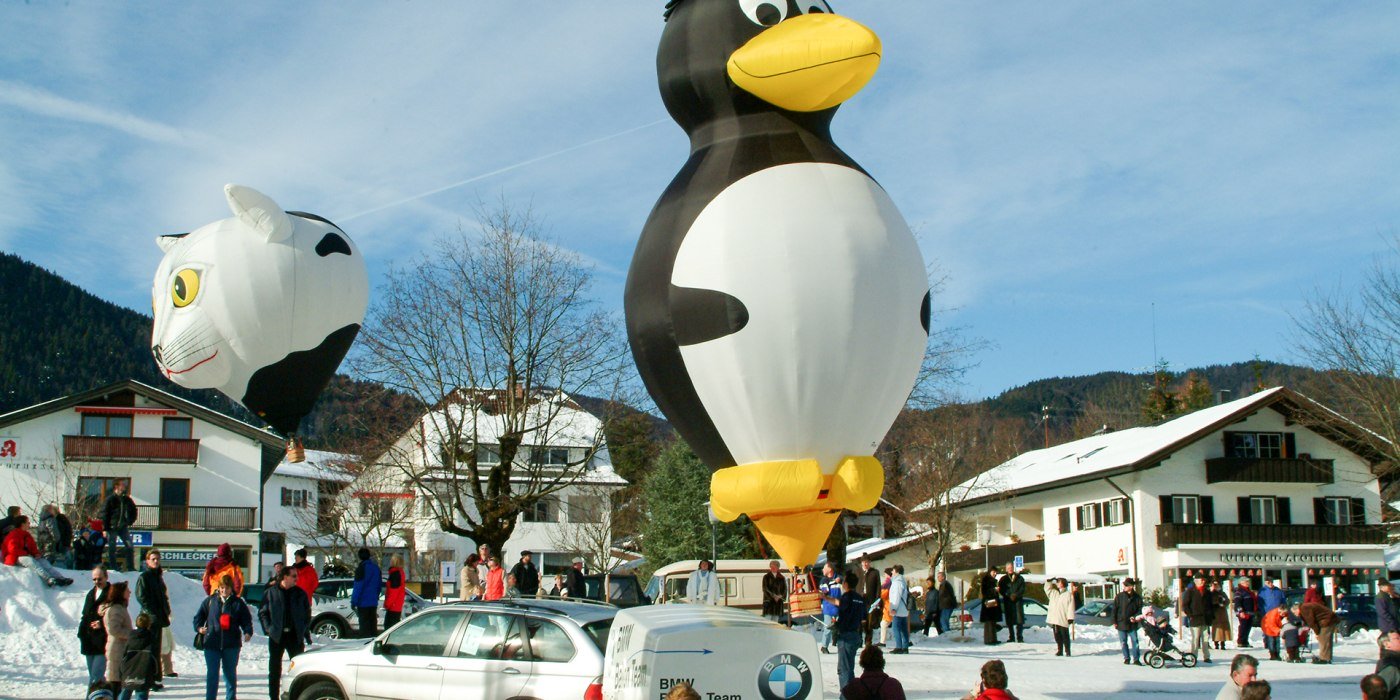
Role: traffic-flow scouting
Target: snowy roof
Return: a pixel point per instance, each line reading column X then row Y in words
column 876, row 546
column 1124, row 450
column 321, row 466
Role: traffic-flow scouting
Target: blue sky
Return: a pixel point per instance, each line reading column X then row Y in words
column 1067, row 165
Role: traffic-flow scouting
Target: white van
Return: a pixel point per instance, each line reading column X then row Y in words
column 741, row 582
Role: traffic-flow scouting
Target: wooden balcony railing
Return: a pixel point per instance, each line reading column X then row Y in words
column 999, row 555
column 208, row 518
column 1255, row 470
column 1170, row 536
column 118, row 449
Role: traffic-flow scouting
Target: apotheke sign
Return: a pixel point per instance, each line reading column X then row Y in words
column 1282, row 558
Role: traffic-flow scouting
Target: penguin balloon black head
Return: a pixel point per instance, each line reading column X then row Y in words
column 731, row 58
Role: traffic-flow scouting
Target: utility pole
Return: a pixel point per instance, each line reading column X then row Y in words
column 1045, row 421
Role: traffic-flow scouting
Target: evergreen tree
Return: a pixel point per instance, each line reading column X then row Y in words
column 677, row 526
column 1195, row 394
column 1159, row 402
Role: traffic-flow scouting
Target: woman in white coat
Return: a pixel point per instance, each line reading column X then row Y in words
column 1060, row 593
column 703, row 586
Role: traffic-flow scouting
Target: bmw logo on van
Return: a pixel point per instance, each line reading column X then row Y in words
column 784, row 677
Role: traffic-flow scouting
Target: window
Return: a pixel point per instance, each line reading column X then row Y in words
column 1263, row 510
column 95, row 425
column 586, row 509
column 1256, row 445
column 424, row 635
column 177, row 429
column 544, row 510
column 1090, row 516
column 1336, row 511
column 552, row 457
column 488, row 455
column 382, row 509
column 295, row 498
column 1186, row 509
column 548, row 642
column 491, row 636
column 1115, row 512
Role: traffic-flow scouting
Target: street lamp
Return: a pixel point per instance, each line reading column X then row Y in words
column 713, row 519
column 985, row 537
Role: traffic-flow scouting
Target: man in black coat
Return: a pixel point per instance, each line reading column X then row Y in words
column 1013, row 590
column 990, row 616
column 285, row 615
column 10, row 521
column 527, row 575
column 870, row 592
column 154, row 599
column 1386, row 619
column 775, row 592
column 1127, row 610
column 1198, row 609
column 92, row 634
column 118, row 514
column 574, row 584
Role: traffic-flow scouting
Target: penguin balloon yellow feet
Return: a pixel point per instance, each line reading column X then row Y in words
column 793, row 503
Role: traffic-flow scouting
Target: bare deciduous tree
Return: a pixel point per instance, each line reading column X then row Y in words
column 495, row 332
column 589, row 532
column 944, row 456
column 1356, row 341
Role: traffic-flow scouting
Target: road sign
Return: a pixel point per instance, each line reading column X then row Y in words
column 1018, row 562
column 142, row 538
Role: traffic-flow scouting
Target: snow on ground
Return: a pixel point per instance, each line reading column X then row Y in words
column 39, row 657
column 946, row 668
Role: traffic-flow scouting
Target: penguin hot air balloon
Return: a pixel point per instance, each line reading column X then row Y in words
column 777, row 304
column 261, row 306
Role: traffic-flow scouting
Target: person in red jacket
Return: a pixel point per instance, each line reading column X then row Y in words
column 20, row 549
column 223, row 565
column 993, row 683
column 394, row 592
column 495, row 581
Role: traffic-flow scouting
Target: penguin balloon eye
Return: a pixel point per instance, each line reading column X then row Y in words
column 764, row 12
column 809, row 7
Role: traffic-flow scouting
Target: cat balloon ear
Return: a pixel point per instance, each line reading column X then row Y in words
column 168, row 241
column 259, row 212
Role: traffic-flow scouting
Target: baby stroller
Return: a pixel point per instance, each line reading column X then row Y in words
column 1159, row 635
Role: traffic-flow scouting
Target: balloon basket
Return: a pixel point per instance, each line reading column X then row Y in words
column 295, row 452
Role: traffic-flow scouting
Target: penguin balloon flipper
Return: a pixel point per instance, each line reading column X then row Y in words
column 701, row 315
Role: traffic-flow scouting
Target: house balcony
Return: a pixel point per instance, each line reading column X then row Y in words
column 121, row 449
column 192, row 518
column 1292, row 470
column 1173, row 535
column 997, row 555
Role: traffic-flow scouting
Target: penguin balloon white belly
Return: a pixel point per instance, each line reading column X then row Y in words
column 833, row 282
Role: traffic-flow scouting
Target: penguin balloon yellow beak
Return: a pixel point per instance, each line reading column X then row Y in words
column 807, row 63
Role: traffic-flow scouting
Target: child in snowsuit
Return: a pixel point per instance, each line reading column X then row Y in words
column 1289, row 625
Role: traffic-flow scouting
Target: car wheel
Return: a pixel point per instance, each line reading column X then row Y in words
column 324, row 690
column 329, row 627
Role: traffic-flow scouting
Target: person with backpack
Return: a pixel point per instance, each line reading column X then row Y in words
column 226, row 625
column 222, row 565
column 873, row 683
column 140, row 667
column 56, row 536
column 364, row 594
column 394, row 592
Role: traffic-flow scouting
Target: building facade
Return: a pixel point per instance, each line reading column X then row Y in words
column 1272, row 486
column 196, row 475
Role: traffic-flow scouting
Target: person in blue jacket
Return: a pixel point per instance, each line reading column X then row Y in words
column 830, row 588
column 1387, row 620
column 364, row 595
column 221, row 618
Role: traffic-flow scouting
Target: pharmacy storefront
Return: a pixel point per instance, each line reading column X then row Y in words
column 1340, row 569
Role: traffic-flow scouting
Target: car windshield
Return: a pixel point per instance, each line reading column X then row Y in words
column 654, row 588
column 598, row 632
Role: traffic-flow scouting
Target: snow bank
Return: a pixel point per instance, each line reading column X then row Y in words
column 39, row 626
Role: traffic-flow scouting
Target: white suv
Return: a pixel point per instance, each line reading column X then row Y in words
column 515, row 648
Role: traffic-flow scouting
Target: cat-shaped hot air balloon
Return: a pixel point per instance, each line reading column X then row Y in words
column 777, row 303
column 261, row 306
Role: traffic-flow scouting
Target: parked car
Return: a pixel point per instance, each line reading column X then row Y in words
column 1358, row 613
column 332, row 616
column 624, row 590
column 1095, row 611
column 539, row 648
column 1034, row 609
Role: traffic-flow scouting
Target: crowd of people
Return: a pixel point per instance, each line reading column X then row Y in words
column 50, row 546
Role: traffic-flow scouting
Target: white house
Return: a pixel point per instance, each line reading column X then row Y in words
column 195, row 474
column 562, row 445
column 1272, row 485
column 298, row 502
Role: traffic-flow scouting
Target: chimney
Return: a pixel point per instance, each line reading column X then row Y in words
column 1222, row 396
column 1104, row 430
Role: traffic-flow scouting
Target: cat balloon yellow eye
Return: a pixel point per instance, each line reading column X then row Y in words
column 185, row 288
